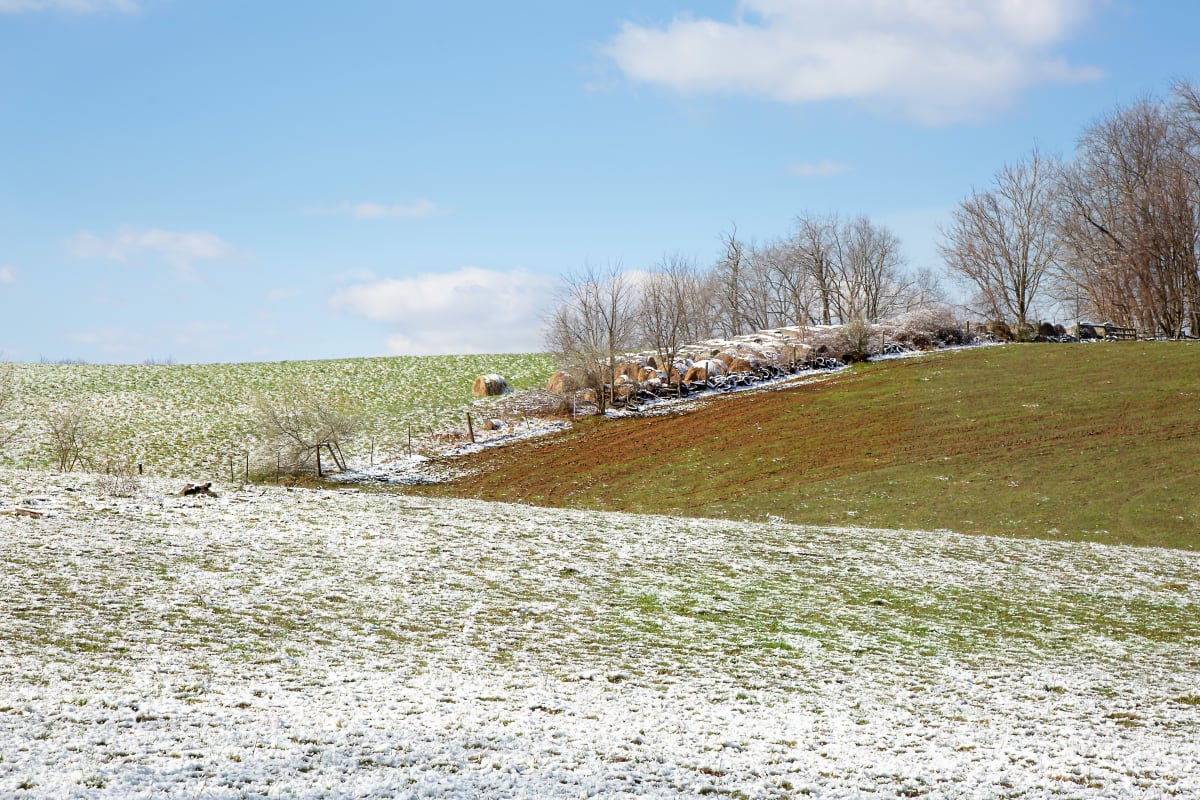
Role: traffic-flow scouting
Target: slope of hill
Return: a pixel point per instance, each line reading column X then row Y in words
column 334, row 644
column 192, row 419
column 1076, row 442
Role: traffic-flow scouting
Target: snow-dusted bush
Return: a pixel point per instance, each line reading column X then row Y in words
column 117, row 477
column 296, row 426
column 926, row 328
column 854, row 341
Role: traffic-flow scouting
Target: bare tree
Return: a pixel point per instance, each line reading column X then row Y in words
column 670, row 302
column 787, row 286
column 815, row 241
column 870, row 267
column 728, row 274
column 1131, row 218
column 1003, row 242
column 594, row 322
column 70, row 434
column 295, row 426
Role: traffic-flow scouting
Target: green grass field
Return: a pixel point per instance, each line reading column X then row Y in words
column 190, row 419
column 1073, row 442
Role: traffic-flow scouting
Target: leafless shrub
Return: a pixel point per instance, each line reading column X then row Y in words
column 69, row 433
column 117, row 477
column 854, row 341
column 295, row 428
column 926, row 328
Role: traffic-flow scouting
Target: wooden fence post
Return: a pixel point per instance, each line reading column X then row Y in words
column 470, row 428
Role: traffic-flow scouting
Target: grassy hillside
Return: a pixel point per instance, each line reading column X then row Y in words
column 1074, row 442
column 189, row 419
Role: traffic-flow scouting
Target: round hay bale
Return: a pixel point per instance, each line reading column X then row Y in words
column 740, row 365
column 562, row 383
column 750, row 352
column 489, row 386
column 713, row 366
column 628, row 369
column 649, row 374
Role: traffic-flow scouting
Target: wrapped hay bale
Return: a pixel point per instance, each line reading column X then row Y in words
column 489, row 386
column 628, row 368
column 562, row 383
column 649, row 374
column 704, row 370
column 740, row 365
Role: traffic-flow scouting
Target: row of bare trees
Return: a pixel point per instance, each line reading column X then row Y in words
column 1113, row 234
column 825, row 271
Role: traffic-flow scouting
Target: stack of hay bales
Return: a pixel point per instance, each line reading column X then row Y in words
column 489, row 386
column 704, row 370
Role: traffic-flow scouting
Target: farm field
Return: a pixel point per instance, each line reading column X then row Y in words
column 317, row 643
column 1072, row 442
column 191, row 420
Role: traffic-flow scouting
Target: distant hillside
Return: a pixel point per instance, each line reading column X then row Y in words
column 1096, row 442
column 191, row 419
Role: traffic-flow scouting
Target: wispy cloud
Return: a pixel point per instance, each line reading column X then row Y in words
column 818, row 169
column 935, row 61
column 470, row 310
column 68, row 6
column 130, row 243
column 418, row 209
column 8, row 274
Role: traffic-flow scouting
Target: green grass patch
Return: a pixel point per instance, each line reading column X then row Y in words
column 1071, row 442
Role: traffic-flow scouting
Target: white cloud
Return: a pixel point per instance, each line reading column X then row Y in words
column 128, row 243
column 418, row 209
column 68, row 6
column 470, row 310
column 932, row 60
column 8, row 274
column 819, row 169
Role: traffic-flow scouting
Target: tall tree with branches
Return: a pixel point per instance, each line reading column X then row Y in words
column 1003, row 242
column 594, row 322
column 1131, row 218
column 670, row 311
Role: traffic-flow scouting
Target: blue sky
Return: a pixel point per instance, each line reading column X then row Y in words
column 209, row 180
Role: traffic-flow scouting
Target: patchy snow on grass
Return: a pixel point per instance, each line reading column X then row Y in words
column 276, row 643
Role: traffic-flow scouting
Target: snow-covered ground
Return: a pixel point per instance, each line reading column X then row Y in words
column 304, row 644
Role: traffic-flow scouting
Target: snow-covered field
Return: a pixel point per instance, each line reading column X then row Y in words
column 303, row 644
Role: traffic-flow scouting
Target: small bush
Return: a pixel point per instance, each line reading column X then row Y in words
column 926, row 328
column 70, row 433
column 118, row 477
column 296, row 427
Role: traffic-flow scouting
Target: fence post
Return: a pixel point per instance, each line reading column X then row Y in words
column 470, row 428
column 319, row 475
